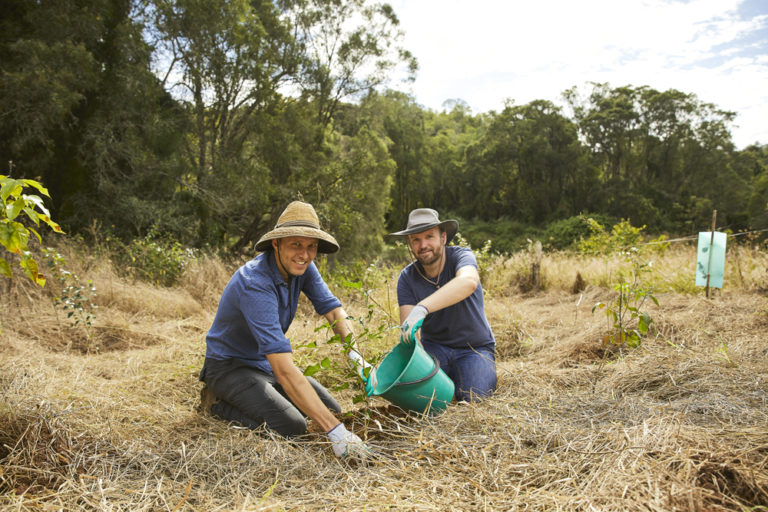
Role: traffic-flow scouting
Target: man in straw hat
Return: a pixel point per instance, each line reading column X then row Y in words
column 440, row 295
column 249, row 371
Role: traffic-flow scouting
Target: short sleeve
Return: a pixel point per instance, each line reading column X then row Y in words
column 405, row 292
column 259, row 305
column 317, row 291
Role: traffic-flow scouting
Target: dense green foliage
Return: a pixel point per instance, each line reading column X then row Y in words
column 199, row 121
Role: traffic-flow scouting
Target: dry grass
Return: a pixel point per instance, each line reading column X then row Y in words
column 110, row 422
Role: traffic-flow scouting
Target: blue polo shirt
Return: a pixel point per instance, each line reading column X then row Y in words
column 462, row 325
column 256, row 309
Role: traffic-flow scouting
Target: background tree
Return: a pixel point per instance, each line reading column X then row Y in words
column 200, row 120
column 224, row 60
column 80, row 106
column 351, row 48
column 529, row 165
column 659, row 154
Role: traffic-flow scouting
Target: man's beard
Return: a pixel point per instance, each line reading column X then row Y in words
column 436, row 255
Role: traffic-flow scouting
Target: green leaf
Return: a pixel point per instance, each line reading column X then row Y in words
column 36, row 201
column 311, row 370
column 14, row 236
column 644, row 323
column 39, row 238
column 357, row 285
column 38, row 186
column 325, row 363
column 30, row 268
column 5, row 268
column 33, row 215
column 10, row 187
column 13, row 209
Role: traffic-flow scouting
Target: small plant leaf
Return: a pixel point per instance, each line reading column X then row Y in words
column 10, row 187
column 311, row 370
column 38, row 186
column 356, row 285
column 5, row 268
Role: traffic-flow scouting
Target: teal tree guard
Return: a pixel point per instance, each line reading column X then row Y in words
column 710, row 259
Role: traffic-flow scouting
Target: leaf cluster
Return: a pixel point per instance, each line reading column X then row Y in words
column 14, row 234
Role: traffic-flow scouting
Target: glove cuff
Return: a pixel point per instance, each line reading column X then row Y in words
column 337, row 433
column 355, row 356
column 422, row 306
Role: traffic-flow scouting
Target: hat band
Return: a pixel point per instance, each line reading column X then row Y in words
column 423, row 226
column 297, row 224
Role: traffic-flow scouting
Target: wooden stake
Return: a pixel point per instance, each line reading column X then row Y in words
column 711, row 242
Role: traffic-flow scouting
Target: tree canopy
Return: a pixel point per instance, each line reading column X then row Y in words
column 202, row 119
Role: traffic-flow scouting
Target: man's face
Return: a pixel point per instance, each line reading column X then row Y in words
column 295, row 254
column 427, row 245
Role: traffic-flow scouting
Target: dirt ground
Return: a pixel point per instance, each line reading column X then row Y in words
column 108, row 418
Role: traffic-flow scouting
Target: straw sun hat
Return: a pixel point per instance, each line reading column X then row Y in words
column 299, row 219
column 422, row 219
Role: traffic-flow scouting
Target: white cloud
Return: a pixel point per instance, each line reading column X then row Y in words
column 490, row 50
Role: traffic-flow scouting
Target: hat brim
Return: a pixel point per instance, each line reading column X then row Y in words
column 451, row 227
column 326, row 243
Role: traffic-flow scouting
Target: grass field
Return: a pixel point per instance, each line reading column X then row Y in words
column 104, row 415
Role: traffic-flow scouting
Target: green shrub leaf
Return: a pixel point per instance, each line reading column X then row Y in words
column 5, row 268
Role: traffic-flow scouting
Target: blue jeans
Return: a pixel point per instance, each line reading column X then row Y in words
column 253, row 398
column 472, row 370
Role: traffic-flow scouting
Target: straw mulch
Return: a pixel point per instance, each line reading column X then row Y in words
column 111, row 421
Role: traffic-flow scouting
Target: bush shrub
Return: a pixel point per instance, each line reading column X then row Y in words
column 153, row 259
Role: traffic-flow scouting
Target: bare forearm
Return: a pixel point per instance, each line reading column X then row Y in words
column 456, row 290
column 300, row 391
column 337, row 319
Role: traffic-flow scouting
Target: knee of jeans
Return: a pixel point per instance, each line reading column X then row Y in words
column 290, row 426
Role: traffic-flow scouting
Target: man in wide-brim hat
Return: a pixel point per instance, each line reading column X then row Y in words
column 440, row 296
column 249, row 371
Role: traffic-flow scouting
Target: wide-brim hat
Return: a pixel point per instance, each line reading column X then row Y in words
column 422, row 219
column 299, row 219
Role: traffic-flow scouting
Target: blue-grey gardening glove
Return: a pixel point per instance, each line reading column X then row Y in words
column 347, row 444
column 413, row 323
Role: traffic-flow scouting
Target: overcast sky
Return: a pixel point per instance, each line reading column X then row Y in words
column 487, row 51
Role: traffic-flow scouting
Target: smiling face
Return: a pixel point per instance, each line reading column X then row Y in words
column 294, row 254
column 427, row 246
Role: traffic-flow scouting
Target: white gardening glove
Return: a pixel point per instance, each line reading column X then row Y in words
column 346, row 444
column 413, row 323
column 361, row 365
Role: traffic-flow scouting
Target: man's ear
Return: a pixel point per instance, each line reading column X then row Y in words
column 443, row 237
column 274, row 242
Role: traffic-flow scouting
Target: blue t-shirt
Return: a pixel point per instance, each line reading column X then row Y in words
column 462, row 325
column 256, row 309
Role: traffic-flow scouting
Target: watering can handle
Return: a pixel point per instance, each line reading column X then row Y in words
column 431, row 374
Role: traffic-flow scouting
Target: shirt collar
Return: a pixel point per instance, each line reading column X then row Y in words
column 277, row 277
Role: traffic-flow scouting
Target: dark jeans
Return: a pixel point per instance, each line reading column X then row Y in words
column 253, row 398
column 472, row 370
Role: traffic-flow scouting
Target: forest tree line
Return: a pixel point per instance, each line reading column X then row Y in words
column 200, row 119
